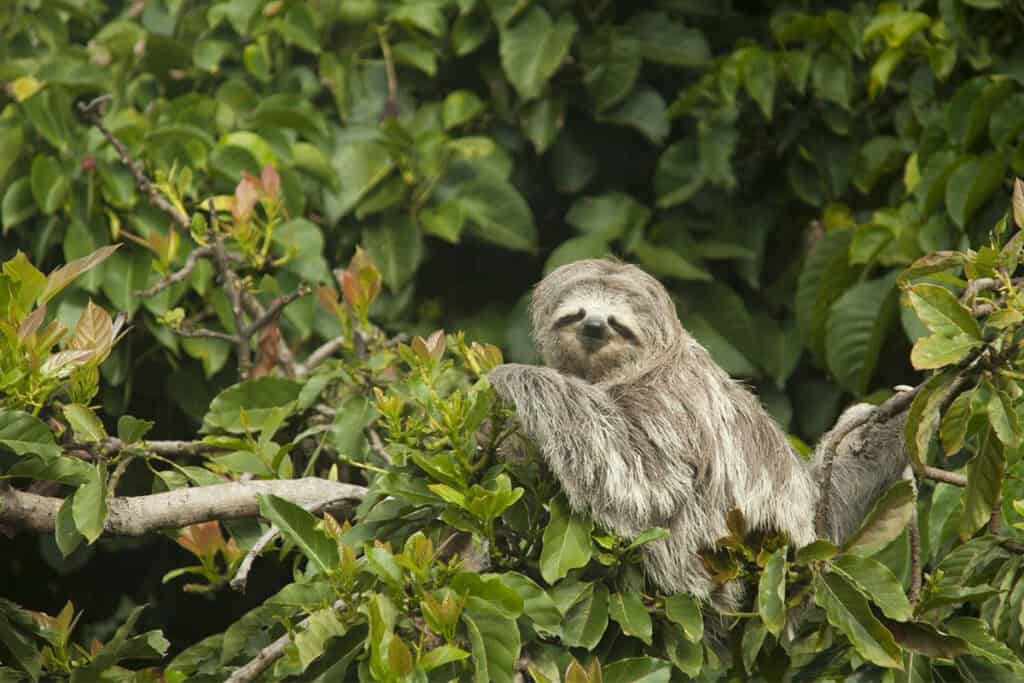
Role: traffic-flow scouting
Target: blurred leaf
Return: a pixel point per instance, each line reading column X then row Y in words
column 858, row 324
column 825, row 276
column 533, row 47
column 49, row 184
column 250, row 405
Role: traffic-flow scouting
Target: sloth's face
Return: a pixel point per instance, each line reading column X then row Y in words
column 597, row 333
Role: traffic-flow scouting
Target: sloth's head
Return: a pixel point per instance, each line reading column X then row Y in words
column 598, row 318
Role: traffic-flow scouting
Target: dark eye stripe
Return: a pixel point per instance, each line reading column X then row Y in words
column 568, row 319
column 626, row 333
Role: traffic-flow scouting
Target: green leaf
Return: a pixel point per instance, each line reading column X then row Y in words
column 250, row 405
column 858, row 323
column 878, row 584
column 923, row 416
column 89, row 508
column 664, row 40
column 982, row 643
column 439, row 656
column 543, row 120
column 533, row 48
column 848, row 611
column 586, row 620
column 760, row 78
column 396, row 246
column 934, row 352
column 682, row 609
column 132, row 429
column 66, row 534
column 628, row 610
column 665, row 262
column 537, row 603
column 679, row 174
column 637, row 670
column 495, row 642
column 832, row 79
column 360, row 167
column 566, row 542
column 643, row 110
column 771, row 592
column 21, row 648
column 49, row 184
column 575, row 249
column 826, row 275
column 754, row 633
column 984, row 484
column 299, row 527
column 60, row 278
column 609, row 216
column 321, row 626
column 497, row 213
column 26, row 434
column 971, row 184
column 686, row 655
column 941, row 312
column 18, row 204
column 461, row 107
column 611, row 63
column 86, row 426
column 1002, row 414
column 888, row 517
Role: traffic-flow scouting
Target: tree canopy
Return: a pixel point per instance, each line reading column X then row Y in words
column 235, row 443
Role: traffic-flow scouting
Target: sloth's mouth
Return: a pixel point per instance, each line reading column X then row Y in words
column 592, row 344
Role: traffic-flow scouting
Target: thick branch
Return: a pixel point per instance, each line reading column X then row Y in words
column 322, row 353
column 139, row 515
column 270, row 654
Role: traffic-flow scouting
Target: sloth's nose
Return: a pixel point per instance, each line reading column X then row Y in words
column 593, row 328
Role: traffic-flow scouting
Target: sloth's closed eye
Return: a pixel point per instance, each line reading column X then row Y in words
column 626, row 333
column 568, row 319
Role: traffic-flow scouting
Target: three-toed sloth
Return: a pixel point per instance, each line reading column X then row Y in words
column 643, row 429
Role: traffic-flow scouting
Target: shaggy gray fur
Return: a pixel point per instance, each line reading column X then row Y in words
column 643, row 429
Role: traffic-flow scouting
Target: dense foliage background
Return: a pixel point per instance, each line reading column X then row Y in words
column 777, row 165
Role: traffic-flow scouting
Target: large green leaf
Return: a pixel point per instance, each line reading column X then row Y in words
column 495, row 642
column 586, row 620
column 89, row 508
column 858, row 323
column 396, row 246
column 971, row 184
column 771, row 592
column 885, row 522
column 25, row 434
column 826, row 274
column 497, row 212
column 300, row 527
column 627, row 609
column 878, row 584
column 251, row 405
column 848, row 611
column 637, row 670
column 984, row 484
column 566, row 542
column 533, row 48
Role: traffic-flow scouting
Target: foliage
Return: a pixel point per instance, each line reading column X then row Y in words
column 698, row 139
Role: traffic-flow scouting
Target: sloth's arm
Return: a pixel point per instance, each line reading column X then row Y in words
column 609, row 463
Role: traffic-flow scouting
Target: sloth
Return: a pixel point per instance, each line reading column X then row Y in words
column 643, row 429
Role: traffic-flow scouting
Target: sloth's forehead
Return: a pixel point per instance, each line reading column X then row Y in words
column 600, row 298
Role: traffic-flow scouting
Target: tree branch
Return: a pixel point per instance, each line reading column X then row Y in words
column 270, row 654
column 275, row 308
column 93, row 113
column 944, row 476
column 322, row 353
column 179, row 275
column 139, row 515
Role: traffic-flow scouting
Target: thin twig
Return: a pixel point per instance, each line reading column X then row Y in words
column 112, row 446
column 944, row 476
column 256, row 311
column 209, row 334
column 916, row 568
column 391, row 106
column 179, row 275
column 274, row 309
column 115, row 477
column 234, row 290
column 377, row 444
column 93, row 112
column 322, row 353
column 270, row 654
